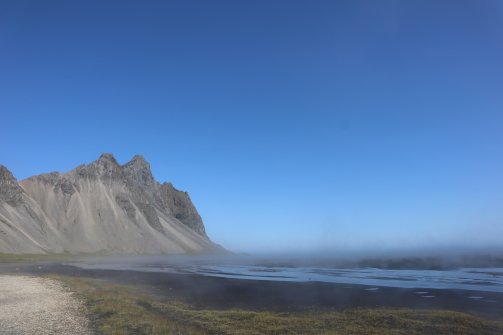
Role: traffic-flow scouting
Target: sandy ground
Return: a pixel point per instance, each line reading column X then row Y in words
column 39, row 306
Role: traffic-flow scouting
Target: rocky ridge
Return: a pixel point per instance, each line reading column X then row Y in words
column 101, row 207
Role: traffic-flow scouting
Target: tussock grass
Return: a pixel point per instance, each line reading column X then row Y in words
column 120, row 310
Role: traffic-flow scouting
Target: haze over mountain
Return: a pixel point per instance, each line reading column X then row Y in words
column 102, row 207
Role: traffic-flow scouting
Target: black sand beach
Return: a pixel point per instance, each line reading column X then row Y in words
column 224, row 293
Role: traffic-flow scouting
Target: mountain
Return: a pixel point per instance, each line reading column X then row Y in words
column 102, row 207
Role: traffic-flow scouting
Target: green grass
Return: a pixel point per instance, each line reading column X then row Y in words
column 12, row 258
column 119, row 310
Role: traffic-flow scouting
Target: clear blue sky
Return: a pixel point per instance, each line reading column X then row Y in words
column 294, row 125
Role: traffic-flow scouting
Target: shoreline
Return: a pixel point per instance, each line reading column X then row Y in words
column 225, row 293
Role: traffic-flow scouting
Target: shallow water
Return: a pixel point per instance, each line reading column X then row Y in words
column 473, row 279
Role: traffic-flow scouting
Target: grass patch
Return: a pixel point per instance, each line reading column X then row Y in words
column 65, row 256
column 14, row 258
column 120, row 310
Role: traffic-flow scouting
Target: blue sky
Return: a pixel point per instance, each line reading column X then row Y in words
column 294, row 125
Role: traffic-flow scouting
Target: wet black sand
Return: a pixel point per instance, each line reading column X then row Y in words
column 225, row 293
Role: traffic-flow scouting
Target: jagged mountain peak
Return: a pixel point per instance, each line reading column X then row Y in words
column 106, row 166
column 138, row 171
column 106, row 158
column 5, row 173
column 138, row 162
column 138, row 159
column 99, row 207
column 10, row 191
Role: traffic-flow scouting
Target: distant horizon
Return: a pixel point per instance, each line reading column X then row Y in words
column 349, row 252
column 294, row 126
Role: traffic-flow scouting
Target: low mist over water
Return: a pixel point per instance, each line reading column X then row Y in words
column 473, row 273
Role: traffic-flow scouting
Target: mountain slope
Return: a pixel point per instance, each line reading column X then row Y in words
column 100, row 207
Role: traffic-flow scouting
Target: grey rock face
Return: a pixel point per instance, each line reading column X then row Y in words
column 126, row 205
column 99, row 207
column 180, row 206
column 137, row 171
column 10, row 191
column 104, row 168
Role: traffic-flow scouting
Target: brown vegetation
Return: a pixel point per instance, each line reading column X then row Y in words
column 119, row 309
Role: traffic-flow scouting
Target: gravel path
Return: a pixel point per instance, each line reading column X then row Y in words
column 39, row 306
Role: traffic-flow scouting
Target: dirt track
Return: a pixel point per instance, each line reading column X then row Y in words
column 39, row 306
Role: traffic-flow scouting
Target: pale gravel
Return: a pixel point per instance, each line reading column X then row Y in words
column 40, row 306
